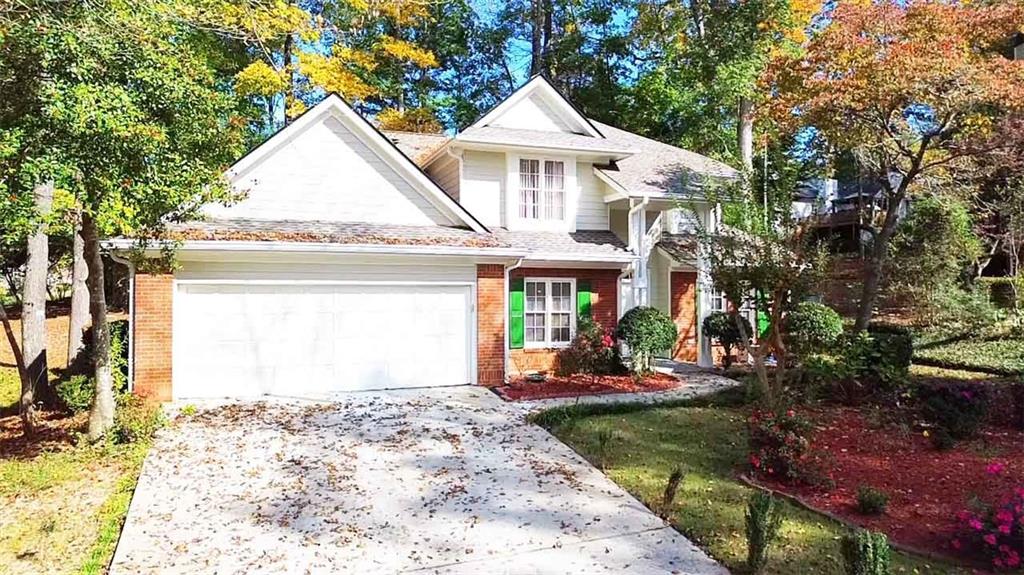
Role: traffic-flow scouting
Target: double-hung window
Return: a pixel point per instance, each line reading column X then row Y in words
column 548, row 317
column 541, row 189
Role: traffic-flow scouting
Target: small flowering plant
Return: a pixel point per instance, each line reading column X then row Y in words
column 780, row 446
column 592, row 351
column 996, row 533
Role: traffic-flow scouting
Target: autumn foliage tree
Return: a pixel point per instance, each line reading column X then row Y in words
column 919, row 90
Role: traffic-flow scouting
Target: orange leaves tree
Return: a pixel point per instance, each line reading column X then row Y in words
column 921, row 91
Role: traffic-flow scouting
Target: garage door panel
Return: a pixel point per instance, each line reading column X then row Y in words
column 287, row 339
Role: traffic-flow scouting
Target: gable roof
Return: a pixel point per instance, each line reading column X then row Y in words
column 540, row 85
column 416, row 145
column 658, row 169
column 403, row 165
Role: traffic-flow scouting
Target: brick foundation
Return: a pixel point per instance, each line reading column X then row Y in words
column 151, row 338
column 603, row 309
column 490, row 321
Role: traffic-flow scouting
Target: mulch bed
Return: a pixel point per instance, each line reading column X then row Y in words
column 927, row 487
column 521, row 389
column 55, row 432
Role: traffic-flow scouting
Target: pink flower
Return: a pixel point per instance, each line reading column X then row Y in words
column 995, row 468
column 790, row 413
column 990, row 539
column 956, row 544
column 975, row 524
column 1004, row 516
column 1004, row 528
column 755, row 461
column 606, row 341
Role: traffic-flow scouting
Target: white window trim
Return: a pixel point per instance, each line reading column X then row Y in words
column 547, row 343
column 542, row 191
column 571, row 193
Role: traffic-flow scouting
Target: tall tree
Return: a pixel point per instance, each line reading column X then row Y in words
column 701, row 62
column 130, row 105
column 33, row 306
column 78, row 315
column 919, row 90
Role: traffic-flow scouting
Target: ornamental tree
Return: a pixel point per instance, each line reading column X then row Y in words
column 921, row 91
column 124, row 99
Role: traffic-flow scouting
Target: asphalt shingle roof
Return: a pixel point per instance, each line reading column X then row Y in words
column 583, row 242
column 658, row 168
column 416, row 146
column 541, row 138
column 681, row 247
column 331, row 232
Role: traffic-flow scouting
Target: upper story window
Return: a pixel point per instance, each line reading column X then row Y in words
column 541, row 189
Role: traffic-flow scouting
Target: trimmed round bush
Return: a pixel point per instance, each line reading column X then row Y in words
column 812, row 327
column 721, row 327
column 646, row 331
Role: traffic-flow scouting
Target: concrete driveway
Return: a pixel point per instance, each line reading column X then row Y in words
column 447, row 480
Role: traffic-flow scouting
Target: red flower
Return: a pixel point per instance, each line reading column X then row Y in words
column 990, row 539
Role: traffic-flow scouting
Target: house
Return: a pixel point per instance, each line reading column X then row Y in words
column 1018, row 46
column 842, row 209
column 361, row 260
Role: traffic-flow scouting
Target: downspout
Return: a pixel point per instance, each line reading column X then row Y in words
column 131, row 315
column 505, row 298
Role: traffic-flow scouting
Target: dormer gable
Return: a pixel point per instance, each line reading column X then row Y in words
column 538, row 106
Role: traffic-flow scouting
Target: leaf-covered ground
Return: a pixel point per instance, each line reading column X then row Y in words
column 709, row 445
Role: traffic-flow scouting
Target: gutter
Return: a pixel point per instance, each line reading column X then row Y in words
column 319, row 247
column 131, row 316
column 505, row 298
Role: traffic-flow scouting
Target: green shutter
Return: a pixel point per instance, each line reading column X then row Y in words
column 515, row 313
column 583, row 298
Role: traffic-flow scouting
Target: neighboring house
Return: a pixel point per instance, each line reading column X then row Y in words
column 1018, row 47
column 841, row 210
column 363, row 260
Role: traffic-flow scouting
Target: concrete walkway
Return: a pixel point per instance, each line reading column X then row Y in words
column 444, row 480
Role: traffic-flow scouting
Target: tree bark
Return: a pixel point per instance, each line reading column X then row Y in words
column 288, row 69
column 745, row 133
column 19, row 359
column 101, row 416
column 537, row 40
column 33, row 310
column 873, row 270
column 79, row 296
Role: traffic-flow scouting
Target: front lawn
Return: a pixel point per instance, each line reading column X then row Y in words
column 64, row 503
column 996, row 350
column 709, row 444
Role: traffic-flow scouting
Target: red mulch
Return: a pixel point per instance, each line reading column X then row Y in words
column 927, row 487
column 521, row 389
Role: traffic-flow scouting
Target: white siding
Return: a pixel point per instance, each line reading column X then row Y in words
column 327, row 173
column 445, row 173
column 618, row 223
column 481, row 191
column 328, row 268
column 659, row 281
column 532, row 113
column 592, row 212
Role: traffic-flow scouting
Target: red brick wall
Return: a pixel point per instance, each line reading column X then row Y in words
column 603, row 308
column 152, row 335
column 683, row 303
column 490, row 321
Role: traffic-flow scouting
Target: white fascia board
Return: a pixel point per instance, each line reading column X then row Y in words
column 583, row 153
column 587, row 258
column 540, row 84
column 317, row 247
column 619, row 192
column 334, row 105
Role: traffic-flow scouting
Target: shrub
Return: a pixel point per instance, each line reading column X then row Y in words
column 763, row 520
column 780, row 447
column 1004, row 292
column 942, row 440
column 75, row 393
column 864, row 364
column 721, row 327
column 592, row 351
column 646, row 331
column 135, row 419
column 871, row 501
column 997, row 533
column 866, row 553
column 812, row 327
column 957, row 408
column 965, row 311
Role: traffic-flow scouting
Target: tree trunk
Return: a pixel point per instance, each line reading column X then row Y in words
column 873, row 270
column 745, row 133
column 79, row 296
column 101, row 416
column 33, row 310
column 19, row 359
column 536, row 40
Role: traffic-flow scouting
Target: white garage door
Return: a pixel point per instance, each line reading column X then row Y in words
column 236, row 340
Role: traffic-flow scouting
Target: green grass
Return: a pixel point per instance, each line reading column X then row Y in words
column 10, row 390
column 113, row 513
column 709, row 444
column 997, row 350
